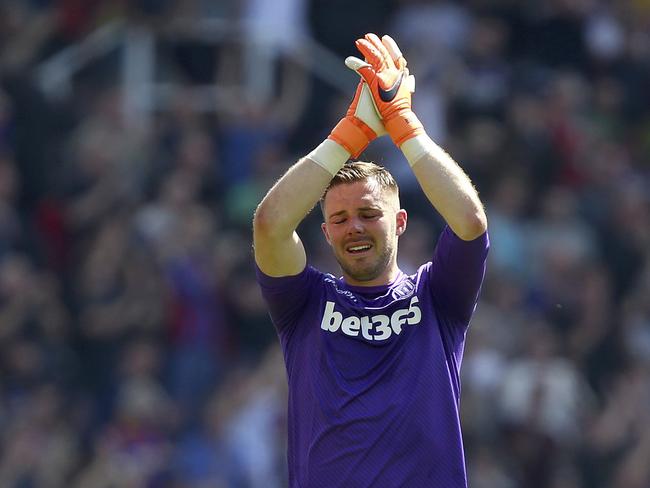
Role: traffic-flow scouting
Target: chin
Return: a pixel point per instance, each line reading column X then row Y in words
column 363, row 273
column 368, row 270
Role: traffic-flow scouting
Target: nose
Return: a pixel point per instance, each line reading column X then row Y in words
column 355, row 226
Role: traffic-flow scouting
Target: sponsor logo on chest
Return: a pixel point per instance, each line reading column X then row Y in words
column 371, row 327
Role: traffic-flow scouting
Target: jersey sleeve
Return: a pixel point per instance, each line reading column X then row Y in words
column 456, row 275
column 287, row 296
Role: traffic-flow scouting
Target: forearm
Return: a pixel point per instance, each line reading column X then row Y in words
column 293, row 196
column 446, row 186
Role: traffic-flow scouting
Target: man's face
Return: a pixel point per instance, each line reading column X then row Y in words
column 362, row 224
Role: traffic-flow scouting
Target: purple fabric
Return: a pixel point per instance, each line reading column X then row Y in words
column 373, row 372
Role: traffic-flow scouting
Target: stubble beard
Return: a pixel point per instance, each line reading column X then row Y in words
column 370, row 270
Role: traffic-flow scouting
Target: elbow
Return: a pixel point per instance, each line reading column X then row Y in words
column 267, row 222
column 473, row 226
column 262, row 221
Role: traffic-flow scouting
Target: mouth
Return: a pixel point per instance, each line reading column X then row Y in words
column 358, row 248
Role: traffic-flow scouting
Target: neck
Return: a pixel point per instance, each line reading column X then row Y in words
column 384, row 278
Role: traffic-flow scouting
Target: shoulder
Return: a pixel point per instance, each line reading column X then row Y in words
column 308, row 274
column 301, row 285
column 290, row 297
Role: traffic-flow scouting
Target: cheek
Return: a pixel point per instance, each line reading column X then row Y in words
column 388, row 229
column 334, row 235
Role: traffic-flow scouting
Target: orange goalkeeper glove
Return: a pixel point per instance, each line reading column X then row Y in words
column 361, row 124
column 384, row 71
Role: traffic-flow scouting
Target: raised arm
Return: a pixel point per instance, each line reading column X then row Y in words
column 444, row 183
column 278, row 249
column 446, row 186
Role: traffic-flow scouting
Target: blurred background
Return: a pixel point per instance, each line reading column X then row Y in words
column 136, row 138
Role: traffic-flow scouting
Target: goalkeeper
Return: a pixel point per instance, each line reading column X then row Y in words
column 372, row 357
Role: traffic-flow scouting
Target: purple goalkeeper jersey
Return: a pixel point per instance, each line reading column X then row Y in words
column 373, row 372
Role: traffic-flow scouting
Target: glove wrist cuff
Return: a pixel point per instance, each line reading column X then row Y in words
column 353, row 134
column 418, row 146
column 330, row 156
column 403, row 126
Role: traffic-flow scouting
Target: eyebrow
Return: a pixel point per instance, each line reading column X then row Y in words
column 362, row 209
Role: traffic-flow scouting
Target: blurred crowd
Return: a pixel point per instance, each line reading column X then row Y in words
column 135, row 349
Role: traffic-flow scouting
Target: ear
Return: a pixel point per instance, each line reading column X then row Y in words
column 401, row 218
column 323, row 227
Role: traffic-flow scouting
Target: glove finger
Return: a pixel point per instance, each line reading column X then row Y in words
column 361, row 67
column 355, row 63
column 372, row 55
column 395, row 52
column 385, row 54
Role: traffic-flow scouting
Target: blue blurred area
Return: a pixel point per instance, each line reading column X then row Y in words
column 135, row 349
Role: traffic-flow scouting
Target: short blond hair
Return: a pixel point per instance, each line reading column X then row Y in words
column 354, row 171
